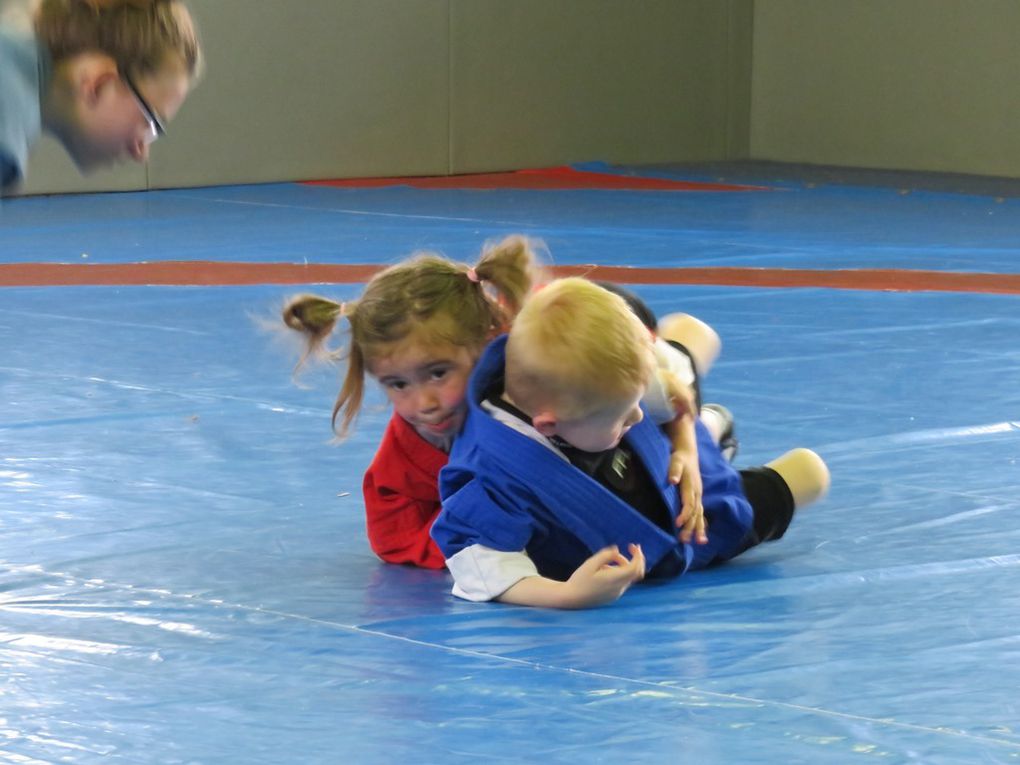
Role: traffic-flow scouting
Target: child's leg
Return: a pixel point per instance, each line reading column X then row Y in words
column 700, row 340
column 790, row 482
column 805, row 474
column 719, row 421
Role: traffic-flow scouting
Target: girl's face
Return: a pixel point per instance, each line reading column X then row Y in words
column 426, row 384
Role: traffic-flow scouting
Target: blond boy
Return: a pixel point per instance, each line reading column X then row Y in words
column 557, row 470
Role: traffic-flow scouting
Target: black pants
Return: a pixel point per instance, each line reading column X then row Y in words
column 771, row 501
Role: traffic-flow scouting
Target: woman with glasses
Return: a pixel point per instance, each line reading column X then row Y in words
column 102, row 76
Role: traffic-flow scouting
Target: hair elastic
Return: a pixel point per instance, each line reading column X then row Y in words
column 472, row 276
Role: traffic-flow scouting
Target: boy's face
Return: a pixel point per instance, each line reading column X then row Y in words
column 426, row 384
column 604, row 427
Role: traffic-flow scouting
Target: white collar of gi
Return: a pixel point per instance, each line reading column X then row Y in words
column 522, row 427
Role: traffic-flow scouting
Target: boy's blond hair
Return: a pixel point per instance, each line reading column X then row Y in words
column 574, row 348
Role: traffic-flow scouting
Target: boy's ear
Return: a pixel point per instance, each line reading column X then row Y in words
column 545, row 422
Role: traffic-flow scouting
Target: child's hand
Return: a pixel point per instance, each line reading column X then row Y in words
column 605, row 576
column 601, row 579
column 683, row 465
column 691, row 521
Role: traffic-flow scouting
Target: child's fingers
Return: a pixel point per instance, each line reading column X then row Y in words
column 637, row 559
column 686, row 510
column 693, row 527
column 676, row 469
column 611, row 563
column 607, row 556
column 695, row 530
column 690, row 506
column 701, row 531
column 686, row 529
column 690, row 496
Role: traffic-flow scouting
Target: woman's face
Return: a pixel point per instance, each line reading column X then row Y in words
column 117, row 120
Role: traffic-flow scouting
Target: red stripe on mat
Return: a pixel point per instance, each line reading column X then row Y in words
column 214, row 273
column 552, row 178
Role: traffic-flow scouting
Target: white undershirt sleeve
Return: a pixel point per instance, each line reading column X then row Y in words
column 481, row 573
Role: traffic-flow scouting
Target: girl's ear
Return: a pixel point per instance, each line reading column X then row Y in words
column 545, row 423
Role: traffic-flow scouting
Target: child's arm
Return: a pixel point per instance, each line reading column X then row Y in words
column 683, row 464
column 601, row 579
column 398, row 526
column 485, row 535
column 671, row 402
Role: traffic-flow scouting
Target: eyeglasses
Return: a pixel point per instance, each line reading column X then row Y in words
column 156, row 127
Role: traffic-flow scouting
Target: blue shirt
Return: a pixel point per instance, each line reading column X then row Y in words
column 24, row 75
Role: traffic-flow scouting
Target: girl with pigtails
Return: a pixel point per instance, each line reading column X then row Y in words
column 104, row 77
column 417, row 329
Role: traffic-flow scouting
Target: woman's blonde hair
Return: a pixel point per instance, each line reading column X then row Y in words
column 575, row 347
column 137, row 34
column 463, row 306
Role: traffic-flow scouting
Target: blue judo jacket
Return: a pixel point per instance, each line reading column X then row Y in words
column 507, row 491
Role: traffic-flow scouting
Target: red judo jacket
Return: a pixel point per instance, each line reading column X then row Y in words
column 401, row 491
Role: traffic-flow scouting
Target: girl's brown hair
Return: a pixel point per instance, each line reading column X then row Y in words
column 137, row 34
column 472, row 303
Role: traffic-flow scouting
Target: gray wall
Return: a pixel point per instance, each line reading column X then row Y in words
column 898, row 84
column 348, row 88
column 544, row 82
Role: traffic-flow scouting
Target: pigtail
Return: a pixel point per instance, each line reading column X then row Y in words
column 511, row 268
column 352, row 393
column 316, row 318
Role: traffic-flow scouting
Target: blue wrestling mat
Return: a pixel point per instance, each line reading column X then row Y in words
column 184, row 574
